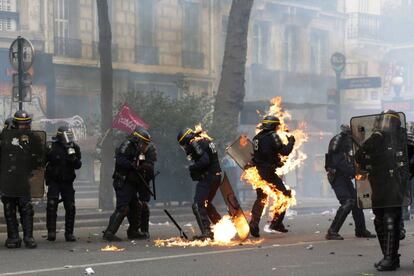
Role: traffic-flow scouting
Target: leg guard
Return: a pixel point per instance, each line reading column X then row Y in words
column 51, row 216
column 390, row 243
column 13, row 238
column 257, row 211
column 145, row 215
column 70, row 213
column 133, row 219
column 26, row 218
column 340, row 218
column 202, row 221
column 213, row 215
column 115, row 222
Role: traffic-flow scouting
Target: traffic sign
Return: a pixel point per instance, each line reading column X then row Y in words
column 26, row 94
column 338, row 62
column 27, row 52
column 360, row 83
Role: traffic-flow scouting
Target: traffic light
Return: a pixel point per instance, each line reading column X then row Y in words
column 331, row 104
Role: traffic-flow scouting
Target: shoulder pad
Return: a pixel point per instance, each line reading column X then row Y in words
column 151, row 153
column 124, row 146
column 277, row 139
column 335, row 142
column 197, row 148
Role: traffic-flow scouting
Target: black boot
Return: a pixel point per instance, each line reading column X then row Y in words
column 51, row 215
column 134, row 220
column 364, row 234
column 339, row 220
column 277, row 223
column 390, row 243
column 257, row 211
column 203, row 223
column 115, row 222
column 26, row 217
column 70, row 213
column 144, row 226
column 13, row 238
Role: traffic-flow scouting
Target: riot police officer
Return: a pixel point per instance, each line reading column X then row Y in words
column 268, row 149
column 383, row 155
column 341, row 171
column 135, row 158
column 21, row 121
column 63, row 158
column 205, row 169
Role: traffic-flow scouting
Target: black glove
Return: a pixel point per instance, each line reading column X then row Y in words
column 291, row 139
column 287, row 193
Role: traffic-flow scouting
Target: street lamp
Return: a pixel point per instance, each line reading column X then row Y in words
column 397, row 83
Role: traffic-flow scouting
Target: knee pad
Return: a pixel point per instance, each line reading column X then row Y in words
column 389, row 222
column 27, row 208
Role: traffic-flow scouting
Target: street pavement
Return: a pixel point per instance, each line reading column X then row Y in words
column 302, row 251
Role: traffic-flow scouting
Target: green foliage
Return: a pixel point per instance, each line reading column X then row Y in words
column 166, row 117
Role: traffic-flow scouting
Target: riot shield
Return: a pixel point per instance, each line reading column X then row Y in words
column 381, row 160
column 241, row 151
column 234, row 209
column 22, row 163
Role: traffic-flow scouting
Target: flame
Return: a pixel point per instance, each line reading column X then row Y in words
column 201, row 133
column 112, row 248
column 224, row 230
column 244, row 141
column 179, row 242
column 297, row 157
column 360, row 177
column 280, row 202
column 224, row 233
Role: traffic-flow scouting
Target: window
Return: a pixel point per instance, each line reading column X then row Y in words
column 66, row 28
column 318, row 52
column 8, row 15
column 364, row 6
column 192, row 55
column 146, row 52
column 260, row 42
column 291, row 48
column 61, row 18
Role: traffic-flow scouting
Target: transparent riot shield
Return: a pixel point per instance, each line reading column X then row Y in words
column 22, row 163
column 381, row 160
column 241, row 151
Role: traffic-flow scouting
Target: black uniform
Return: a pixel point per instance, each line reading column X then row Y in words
column 60, row 174
column 206, row 170
column 341, row 171
column 268, row 149
column 26, row 163
column 377, row 155
column 132, row 166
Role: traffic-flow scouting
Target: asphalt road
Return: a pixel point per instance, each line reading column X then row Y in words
column 302, row 251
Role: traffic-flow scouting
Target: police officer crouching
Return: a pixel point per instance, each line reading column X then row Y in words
column 341, row 171
column 134, row 165
column 21, row 121
column 63, row 158
column 206, row 170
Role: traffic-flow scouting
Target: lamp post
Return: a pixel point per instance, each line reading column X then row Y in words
column 397, row 83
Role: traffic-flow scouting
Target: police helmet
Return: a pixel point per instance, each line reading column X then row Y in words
column 140, row 135
column 22, row 118
column 185, row 136
column 65, row 135
column 270, row 122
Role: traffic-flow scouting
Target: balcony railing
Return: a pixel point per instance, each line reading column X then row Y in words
column 146, row 55
column 68, row 47
column 192, row 59
column 364, row 26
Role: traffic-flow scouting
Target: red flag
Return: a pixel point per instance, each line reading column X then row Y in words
column 126, row 120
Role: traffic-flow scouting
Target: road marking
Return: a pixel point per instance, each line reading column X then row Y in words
column 150, row 259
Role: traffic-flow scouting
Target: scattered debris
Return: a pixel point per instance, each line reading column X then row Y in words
column 72, row 250
column 89, row 271
column 160, row 223
column 133, row 242
column 291, row 213
column 267, row 255
column 309, row 247
column 276, row 245
column 360, row 255
column 67, row 266
column 273, row 268
column 332, row 253
column 317, row 232
column 188, row 225
column 324, row 213
column 350, row 224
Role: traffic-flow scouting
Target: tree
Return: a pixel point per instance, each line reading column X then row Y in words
column 105, row 43
column 231, row 91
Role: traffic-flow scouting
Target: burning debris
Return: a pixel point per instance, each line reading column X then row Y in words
column 224, row 233
column 112, row 248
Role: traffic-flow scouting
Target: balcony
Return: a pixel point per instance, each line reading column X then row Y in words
column 68, row 47
column 364, row 26
column 146, row 55
column 192, row 59
column 95, row 51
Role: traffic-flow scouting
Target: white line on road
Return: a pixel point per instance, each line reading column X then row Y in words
column 68, row 267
